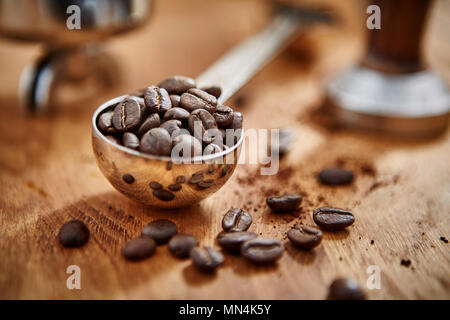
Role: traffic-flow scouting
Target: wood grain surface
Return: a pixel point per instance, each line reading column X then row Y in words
column 401, row 195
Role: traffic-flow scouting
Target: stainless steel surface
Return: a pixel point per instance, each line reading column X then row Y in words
column 114, row 161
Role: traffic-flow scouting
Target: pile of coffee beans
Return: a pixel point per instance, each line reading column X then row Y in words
column 174, row 118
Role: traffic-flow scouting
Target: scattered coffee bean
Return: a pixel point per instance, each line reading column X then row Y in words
column 335, row 176
column 195, row 99
column 305, row 237
column 284, row 203
column 127, row 115
column 206, row 258
column 169, row 165
column 236, row 219
column 177, row 84
column 153, row 121
column 176, row 114
column 155, row 185
column 443, row 239
column 232, row 241
column 346, row 289
column 160, row 230
column 164, row 195
column 196, row 178
column 139, row 248
column 224, row 116
column 73, row 234
column 262, row 250
column 174, row 187
column 180, row 179
column 175, row 99
column 157, row 99
column 128, row 178
column 105, row 123
column 157, row 141
column 330, row 219
column 213, row 90
column 205, row 183
column 181, row 244
column 130, row 140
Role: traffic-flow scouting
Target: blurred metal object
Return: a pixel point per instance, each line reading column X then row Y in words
column 391, row 91
column 46, row 21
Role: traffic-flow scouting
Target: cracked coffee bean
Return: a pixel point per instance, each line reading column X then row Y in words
column 284, row 203
column 224, row 116
column 164, row 195
column 176, row 114
column 206, row 258
column 335, row 176
column 139, row 248
column 236, row 219
column 160, row 230
column 152, row 121
column 331, row 219
column 73, row 234
column 127, row 115
column 199, row 122
column 130, row 140
column 177, row 84
column 232, row 241
column 213, row 90
column 157, row 99
column 180, row 245
column 157, row 141
column 346, row 289
column 262, row 250
column 305, row 237
column 195, row 99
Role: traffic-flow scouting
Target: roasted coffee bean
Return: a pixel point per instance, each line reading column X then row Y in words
column 152, row 121
column 73, row 234
column 262, row 250
column 163, row 195
column 335, row 176
column 113, row 139
column 105, row 123
column 181, row 244
column 233, row 136
column 236, row 219
column 155, row 185
column 196, row 178
column 128, row 178
column 176, row 114
column 206, row 258
column 172, row 127
column 211, row 149
column 204, row 184
column 145, row 112
column 345, row 289
column 213, row 90
column 139, row 248
column 157, row 141
column 130, row 140
column 238, row 119
column 127, row 115
column 169, row 165
column 199, row 121
column 180, row 179
column 177, row 84
column 160, row 230
column 186, row 146
column 224, row 116
column 232, row 241
column 175, row 99
column 284, row 203
column 305, row 237
column 213, row 135
column 195, row 99
column 157, row 99
column 330, row 219
column 174, row 187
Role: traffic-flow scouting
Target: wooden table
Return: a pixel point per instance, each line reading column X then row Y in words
column 401, row 196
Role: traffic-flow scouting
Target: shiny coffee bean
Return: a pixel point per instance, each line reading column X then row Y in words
column 236, row 219
column 177, row 84
column 345, row 289
column 206, row 258
column 330, row 219
column 164, row 195
column 157, row 99
column 157, row 141
column 199, row 121
column 130, row 140
column 224, row 116
column 128, row 178
column 174, row 187
column 186, row 146
column 305, row 237
column 232, row 241
column 335, row 176
column 73, row 234
column 262, row 250
column 172, row 127
column 176, row 114
column 105, row 123
column 284, row 203
column 195, row 99
column 175, row 99
column 160, row 230
column 152, row 121
column 155, row 185
column 127, row 115
column 238, row 120
column 139, row 248
column 213, row 90
column 180, row 245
